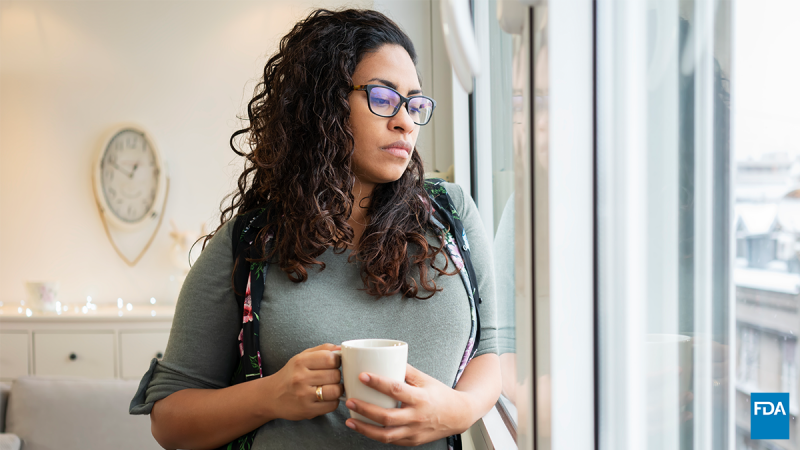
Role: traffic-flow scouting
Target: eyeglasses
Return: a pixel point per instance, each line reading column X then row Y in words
column 386, row 102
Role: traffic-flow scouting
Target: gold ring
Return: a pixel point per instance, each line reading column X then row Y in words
column 319, row 394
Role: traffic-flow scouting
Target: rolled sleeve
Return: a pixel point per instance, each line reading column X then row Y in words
column 203, row 343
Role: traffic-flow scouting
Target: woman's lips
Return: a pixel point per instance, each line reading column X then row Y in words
column 401, row 149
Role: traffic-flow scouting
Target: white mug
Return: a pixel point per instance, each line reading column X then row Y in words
column 383, row 357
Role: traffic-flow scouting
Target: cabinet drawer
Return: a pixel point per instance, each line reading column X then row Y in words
column 14, row 356
column 74, row 354
column 137, row 349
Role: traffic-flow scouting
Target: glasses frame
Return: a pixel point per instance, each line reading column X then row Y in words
column 403, row 100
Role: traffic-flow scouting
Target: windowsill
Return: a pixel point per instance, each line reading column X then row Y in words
column 491, row 432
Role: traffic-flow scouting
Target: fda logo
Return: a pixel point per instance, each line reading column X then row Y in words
column 769, row 416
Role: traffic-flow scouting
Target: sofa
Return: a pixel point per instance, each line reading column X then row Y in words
column 48, row 413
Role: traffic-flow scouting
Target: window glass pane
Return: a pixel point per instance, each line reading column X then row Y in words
column 511, row 106
column 504, row 97
column 766, row 212
column 664, row 207
column 516, row 94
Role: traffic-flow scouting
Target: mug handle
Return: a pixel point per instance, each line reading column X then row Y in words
column 343, row 398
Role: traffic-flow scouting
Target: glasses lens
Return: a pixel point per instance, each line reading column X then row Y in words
column 383, row 101
column 420, row 109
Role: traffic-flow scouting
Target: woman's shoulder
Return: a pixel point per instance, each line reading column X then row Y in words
column 220, row 244
column 225, row 232
column 238, row 224
column 455, row 191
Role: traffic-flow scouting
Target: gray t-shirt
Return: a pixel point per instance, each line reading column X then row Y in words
column 331, row 306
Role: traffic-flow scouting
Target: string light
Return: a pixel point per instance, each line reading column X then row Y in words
column 89, row 306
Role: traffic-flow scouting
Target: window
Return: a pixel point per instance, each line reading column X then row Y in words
column 666, row 331
column 766, row 213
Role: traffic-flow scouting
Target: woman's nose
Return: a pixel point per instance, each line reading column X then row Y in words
column 402, row 120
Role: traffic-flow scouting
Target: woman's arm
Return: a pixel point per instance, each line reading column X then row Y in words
column 482, row 383
column 430, row 409
column 209, row 418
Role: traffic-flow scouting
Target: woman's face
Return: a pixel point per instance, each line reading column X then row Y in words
column 383, row 145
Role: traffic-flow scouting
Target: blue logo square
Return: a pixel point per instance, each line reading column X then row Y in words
column 769, row 415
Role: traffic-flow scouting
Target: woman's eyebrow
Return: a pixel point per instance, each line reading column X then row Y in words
column 394, row 86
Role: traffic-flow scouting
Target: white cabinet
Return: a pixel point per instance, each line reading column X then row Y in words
column 88, row 355
column 14, row 360
column 105, row 343
column 137, row 349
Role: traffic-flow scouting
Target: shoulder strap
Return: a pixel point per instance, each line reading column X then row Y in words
column 457, row 246
column 248, row 282
column 444, row 207
column 443, row 204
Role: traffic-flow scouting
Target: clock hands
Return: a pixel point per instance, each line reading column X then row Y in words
column 114, row 164
column 129, row 175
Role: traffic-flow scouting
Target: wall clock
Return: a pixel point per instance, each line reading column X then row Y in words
column 130, row 183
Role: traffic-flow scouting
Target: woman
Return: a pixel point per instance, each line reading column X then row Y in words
column 353, row 255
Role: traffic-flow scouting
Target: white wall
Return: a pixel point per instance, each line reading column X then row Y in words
column 415, row 19
column 71, row 70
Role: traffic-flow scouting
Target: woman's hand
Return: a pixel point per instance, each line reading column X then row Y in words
column 430, row 410
column 295, row 385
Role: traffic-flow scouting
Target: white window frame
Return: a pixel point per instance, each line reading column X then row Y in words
column 565, row 302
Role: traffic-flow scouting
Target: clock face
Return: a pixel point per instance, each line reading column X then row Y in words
column 129, row 174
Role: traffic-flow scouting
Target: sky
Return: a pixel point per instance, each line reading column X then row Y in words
column 766, row 67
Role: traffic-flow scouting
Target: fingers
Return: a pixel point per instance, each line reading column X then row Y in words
column 391, row 417
column 322, row 377
column 331, row 393
column 398, row 390
column 327, row 346
column 414, row 376
column 321, row 359
column 396, row 435
column 320, row 408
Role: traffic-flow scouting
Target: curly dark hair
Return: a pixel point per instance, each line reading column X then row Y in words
column 298, row 149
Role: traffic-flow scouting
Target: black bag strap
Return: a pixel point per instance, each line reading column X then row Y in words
column 444, row 207
column 248, row 283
